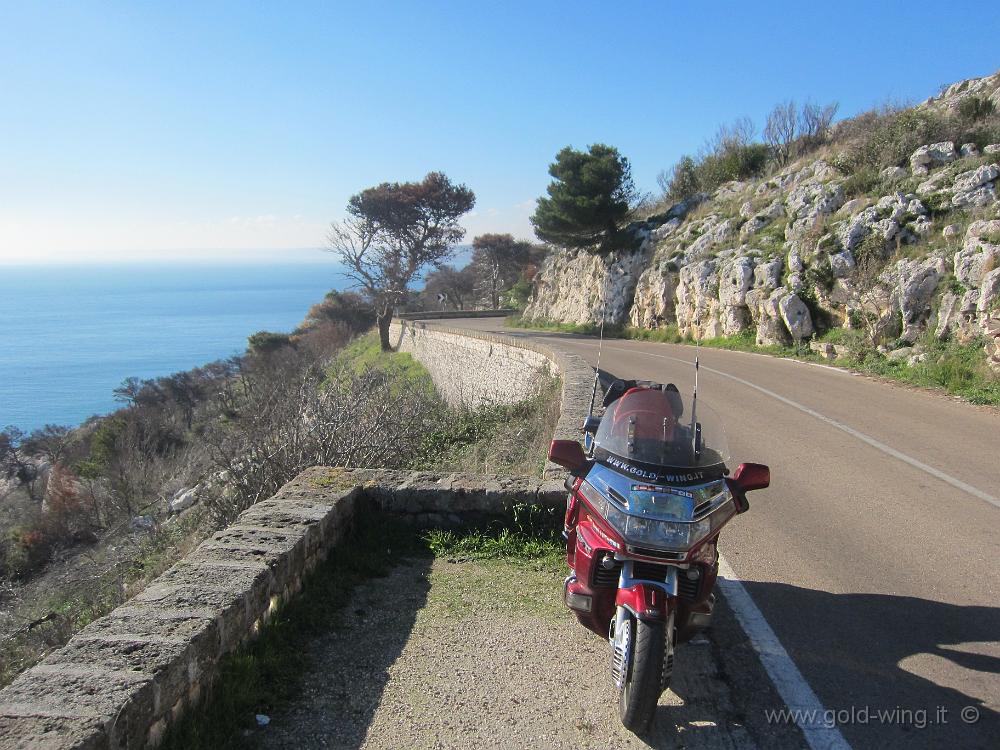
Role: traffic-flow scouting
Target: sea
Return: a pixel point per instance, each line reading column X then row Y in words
column 69, row 334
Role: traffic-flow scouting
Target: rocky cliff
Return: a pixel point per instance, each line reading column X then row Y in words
column 785, row 254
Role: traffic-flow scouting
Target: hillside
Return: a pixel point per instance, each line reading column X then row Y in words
column 873, row 231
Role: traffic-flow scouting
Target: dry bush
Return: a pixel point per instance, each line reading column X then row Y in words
column 284, row 414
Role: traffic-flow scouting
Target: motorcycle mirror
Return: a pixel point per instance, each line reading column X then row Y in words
column 567, row 453
column 752, row 476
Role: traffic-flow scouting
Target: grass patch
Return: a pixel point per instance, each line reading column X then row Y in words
column 536, row 533
column 665, row 334
column 365, row 353
column 583, row 329
column 497, row 439
column 958, row 369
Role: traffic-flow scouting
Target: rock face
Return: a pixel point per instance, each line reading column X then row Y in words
column 915, row 285
column 764, row 256
column 579, row 287
column 980, row 252
column 795, row 315
column 183, row 499
column 975, row 187
column 926, row 158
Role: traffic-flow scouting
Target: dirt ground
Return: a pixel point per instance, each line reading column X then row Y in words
column 458, row 654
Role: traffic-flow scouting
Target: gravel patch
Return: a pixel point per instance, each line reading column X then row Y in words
column 456, row 654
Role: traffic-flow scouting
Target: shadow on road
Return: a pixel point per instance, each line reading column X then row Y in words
column 918, row 662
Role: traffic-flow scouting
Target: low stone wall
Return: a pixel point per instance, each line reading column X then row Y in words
column 474, row 367
column 445, row 314
column 123, row 679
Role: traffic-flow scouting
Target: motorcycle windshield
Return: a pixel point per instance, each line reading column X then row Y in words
column 662, row 428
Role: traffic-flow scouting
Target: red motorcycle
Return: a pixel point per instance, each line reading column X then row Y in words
column 648, row 498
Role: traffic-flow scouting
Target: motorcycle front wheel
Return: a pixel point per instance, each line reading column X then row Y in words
column 641, row 688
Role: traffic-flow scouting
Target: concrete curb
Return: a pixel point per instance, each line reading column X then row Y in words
column 126, row 677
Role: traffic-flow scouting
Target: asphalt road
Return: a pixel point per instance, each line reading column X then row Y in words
column 874, row 555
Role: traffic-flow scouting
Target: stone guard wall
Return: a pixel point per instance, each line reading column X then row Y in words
column 122, row 680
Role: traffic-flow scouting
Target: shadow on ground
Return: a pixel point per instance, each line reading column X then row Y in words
column 918, row 662
column 349, row 666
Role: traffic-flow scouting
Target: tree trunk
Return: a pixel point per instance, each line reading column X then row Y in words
column 384, row 319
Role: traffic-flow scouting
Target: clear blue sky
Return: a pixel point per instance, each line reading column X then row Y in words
column 168, row 129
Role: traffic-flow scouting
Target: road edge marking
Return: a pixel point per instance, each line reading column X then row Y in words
column 799, row 698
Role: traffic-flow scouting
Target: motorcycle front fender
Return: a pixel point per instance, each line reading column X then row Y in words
column 646, row 601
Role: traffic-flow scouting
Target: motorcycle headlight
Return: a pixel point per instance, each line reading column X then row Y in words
column 650, row 532
column 617, row 518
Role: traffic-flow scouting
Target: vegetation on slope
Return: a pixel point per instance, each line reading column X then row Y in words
column 230, row 434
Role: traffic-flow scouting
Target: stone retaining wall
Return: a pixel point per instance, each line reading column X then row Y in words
column 445, row 314
column 474, row 367
column 123, row 679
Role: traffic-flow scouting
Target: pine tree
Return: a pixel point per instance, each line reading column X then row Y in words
column 588, row 200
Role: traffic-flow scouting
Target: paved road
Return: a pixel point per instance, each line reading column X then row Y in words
column 874, row 556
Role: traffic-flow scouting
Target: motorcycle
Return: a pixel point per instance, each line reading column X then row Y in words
column 648, row 497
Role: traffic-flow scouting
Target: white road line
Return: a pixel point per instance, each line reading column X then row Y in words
column 887, row 449
column 802, row 703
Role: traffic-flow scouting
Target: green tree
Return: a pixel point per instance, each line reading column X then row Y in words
column 393, row 232
column 588, row 200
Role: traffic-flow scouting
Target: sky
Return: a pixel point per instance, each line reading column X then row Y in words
column 208, row 130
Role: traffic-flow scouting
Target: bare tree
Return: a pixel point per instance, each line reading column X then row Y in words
column 872, row 298
column 283, row 415
column 740, row 132
column 393, row 232
column 498, row 259
column 814, row 123
column 15, row 462
column 781, row 130
column 458, row 285
column 51, row 441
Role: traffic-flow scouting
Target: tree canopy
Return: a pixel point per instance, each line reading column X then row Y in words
column 393, row 232
column 588, row 199
column 498, row 260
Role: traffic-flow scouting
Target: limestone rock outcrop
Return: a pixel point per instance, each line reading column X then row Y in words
column 766, row 256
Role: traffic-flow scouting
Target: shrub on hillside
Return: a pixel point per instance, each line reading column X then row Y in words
column 734, row 161
column 888, row 136
column 267, row 342
column 976, row 108
column 283, row 414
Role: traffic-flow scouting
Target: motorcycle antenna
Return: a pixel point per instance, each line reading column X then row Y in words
column 600, row 345
column 600, row 348
column 695, row 437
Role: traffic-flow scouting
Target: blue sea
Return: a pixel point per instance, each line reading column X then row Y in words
column 69, row 335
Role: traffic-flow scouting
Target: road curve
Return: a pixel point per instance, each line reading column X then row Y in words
column 874, row 555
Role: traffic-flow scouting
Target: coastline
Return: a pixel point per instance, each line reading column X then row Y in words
column 73, row 333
